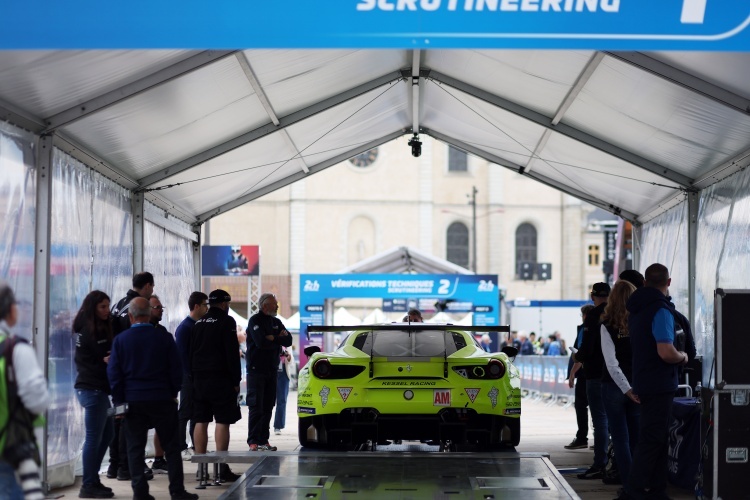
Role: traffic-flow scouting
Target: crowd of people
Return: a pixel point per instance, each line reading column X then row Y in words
column 130, row 372
column 630, row 349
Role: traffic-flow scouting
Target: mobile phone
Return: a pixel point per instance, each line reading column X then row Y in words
column 573, row 349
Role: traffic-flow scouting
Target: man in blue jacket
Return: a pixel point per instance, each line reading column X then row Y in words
column 145, row 372
column 655, row 362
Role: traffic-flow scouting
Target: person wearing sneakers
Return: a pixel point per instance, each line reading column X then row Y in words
column 576, row 379
column 198, row 305
column 590, row 354
column 145, row 371
column 215, row 367
column 266, row 336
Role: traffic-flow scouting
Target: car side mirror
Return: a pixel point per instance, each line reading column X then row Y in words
column 310, row 350
column 510, row 351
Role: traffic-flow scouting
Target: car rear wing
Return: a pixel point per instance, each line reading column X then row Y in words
column 408, row 326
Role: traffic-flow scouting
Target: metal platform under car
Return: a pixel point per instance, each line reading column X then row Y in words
column 399, row 475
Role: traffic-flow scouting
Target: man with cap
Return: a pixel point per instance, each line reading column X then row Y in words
column 213, row 354
column 590, row 354
column 266, row 336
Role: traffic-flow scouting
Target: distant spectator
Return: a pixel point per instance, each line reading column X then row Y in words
column 534, row 342
column 632, row 276
column 527, row 348
column 554, row 346
column 516, row 342
column 577, row 379
column 486, row 341
column 413, row 316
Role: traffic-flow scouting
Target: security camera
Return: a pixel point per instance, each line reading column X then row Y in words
column 416, row 146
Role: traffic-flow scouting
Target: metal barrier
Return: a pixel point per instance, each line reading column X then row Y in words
column 544, row 378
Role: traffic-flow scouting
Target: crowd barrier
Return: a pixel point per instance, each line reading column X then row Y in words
column 545, row 378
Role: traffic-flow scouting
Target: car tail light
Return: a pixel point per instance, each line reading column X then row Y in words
column 495, row 368
column 322, row 368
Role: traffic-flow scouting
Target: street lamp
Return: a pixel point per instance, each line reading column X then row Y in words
column 473, row 202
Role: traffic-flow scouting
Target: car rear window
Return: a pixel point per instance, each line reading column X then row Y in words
column 401, row 343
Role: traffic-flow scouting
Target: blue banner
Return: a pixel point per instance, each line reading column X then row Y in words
column 555, row 24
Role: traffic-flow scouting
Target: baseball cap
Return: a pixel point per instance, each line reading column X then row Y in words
column 600, row 290
column 219, row 296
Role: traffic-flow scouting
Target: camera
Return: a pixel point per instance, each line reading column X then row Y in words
column 416, row 146
column 116, row 411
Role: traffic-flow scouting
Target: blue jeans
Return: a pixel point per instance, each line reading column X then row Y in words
column 99, row 432
column 8, row 484
column 599, row 419
column 282, row 391
column 623, row 415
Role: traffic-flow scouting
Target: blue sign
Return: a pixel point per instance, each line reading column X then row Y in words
column 477, row 292
column 557, row 24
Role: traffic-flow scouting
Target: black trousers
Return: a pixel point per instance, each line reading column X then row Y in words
column 261, row 398
column 118, row 450
column 649, row 469
column 582, row 409
column 161, row 415
column 186, row 412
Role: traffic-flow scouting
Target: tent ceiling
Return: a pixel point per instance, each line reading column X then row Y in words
column 203, row 132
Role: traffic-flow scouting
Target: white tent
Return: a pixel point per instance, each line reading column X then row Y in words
column 440, row 317
column 239, row 319
column 292, row 323
column 342, row 317
column 467, row 320
column 375, row 317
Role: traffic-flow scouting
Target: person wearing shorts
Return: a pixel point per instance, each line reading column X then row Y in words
column 215, row 369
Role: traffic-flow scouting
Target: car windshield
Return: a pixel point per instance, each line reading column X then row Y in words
column 402, row 343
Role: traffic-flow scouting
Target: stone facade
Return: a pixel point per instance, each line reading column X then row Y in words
column 347, row 213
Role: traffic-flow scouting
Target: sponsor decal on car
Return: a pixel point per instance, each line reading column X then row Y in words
column 493, row 396
column 407, row 383
column 302, row 409
column 324, row 392
column 344, row 392
column 512, row 411
column 463, row 372
column 472, row 393
column 441, row 397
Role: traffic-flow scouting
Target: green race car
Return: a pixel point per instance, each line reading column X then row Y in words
column 409, row 381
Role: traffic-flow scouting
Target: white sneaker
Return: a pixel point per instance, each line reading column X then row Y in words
column 277, row 432
column 187, row 454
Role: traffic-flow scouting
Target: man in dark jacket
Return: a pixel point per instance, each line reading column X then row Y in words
column 577, row 380
column 143, row 286
column 145, row 372
column 198, row 305
column 266, row 336
column 655, row 362
column 590, row 354
column 214, row 357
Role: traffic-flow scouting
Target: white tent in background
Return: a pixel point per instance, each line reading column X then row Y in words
column 292, row 323
column 342, row 317
column 238, row 319
column 440, row 317
column 375, row 317
column 467, row 320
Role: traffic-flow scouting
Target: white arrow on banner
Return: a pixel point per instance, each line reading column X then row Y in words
column 693, row 11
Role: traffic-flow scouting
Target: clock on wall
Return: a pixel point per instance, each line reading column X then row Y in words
column 365, row 159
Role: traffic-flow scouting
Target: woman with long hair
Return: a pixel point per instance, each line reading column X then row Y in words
column 620, row 403
column 92, row 328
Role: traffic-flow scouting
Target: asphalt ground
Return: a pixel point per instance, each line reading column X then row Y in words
column 544, row 429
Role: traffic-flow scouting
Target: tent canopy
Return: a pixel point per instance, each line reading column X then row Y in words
column 203, row 132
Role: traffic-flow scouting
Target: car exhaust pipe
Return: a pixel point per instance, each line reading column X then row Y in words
column 312, row 434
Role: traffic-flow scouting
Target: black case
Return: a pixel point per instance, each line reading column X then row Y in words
column 726, row 465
